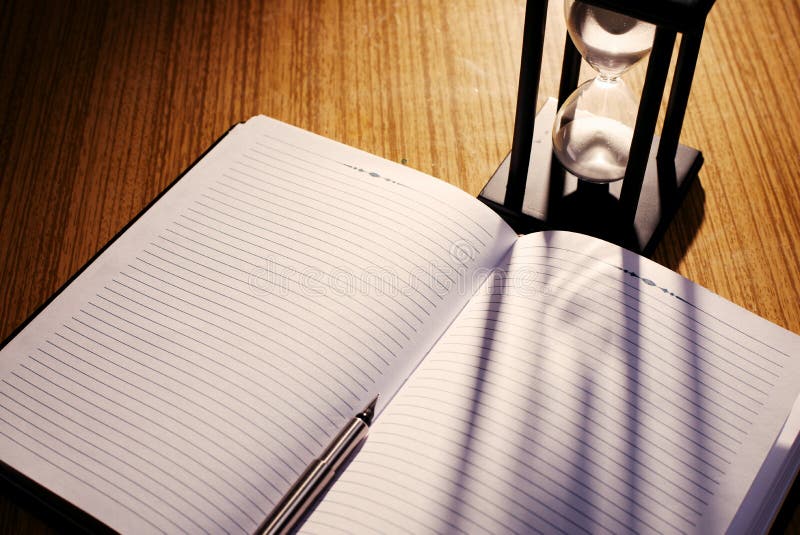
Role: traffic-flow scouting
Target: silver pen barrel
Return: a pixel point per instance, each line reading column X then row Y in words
column 318, row 475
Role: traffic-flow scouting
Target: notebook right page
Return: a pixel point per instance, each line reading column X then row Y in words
column 583, row 389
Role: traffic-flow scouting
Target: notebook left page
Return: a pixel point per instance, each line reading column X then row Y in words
column 191, row 372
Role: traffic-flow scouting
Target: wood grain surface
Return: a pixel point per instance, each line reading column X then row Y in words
column 103, row 104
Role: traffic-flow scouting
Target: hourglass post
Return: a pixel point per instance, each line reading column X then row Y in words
column 590, row 160
column 530, row 70
column 570, row 73
column 652, row 94
column 679, row 93
column 676, row 112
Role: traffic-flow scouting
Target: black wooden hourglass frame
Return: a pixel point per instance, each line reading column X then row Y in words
column 531, row 189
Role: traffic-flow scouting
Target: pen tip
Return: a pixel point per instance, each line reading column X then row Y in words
column 369, row 411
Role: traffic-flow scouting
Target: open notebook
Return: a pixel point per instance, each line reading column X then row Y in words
column 552, row 382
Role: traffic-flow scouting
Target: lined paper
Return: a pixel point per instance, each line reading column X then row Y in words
column 189, row 375
column 582, row 390
column 550, row 383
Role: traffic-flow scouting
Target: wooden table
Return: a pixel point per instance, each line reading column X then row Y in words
column 104, row 103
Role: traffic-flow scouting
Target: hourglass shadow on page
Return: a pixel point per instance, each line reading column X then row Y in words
column 454, row 511
column 620, row 490
column 578, row 412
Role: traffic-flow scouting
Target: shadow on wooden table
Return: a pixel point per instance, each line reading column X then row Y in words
column 683, row 229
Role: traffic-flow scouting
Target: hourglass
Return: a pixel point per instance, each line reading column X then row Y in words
column 593, row 130
column 625, row 183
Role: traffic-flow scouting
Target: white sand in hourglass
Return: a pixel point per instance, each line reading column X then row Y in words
column 593, row 130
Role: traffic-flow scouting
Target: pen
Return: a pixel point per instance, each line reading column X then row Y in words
column 318, row 475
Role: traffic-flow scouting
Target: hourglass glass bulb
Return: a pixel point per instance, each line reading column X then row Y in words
column 609, row 41
column 593, row 130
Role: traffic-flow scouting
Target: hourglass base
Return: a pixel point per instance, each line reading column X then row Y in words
column 591, row 208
